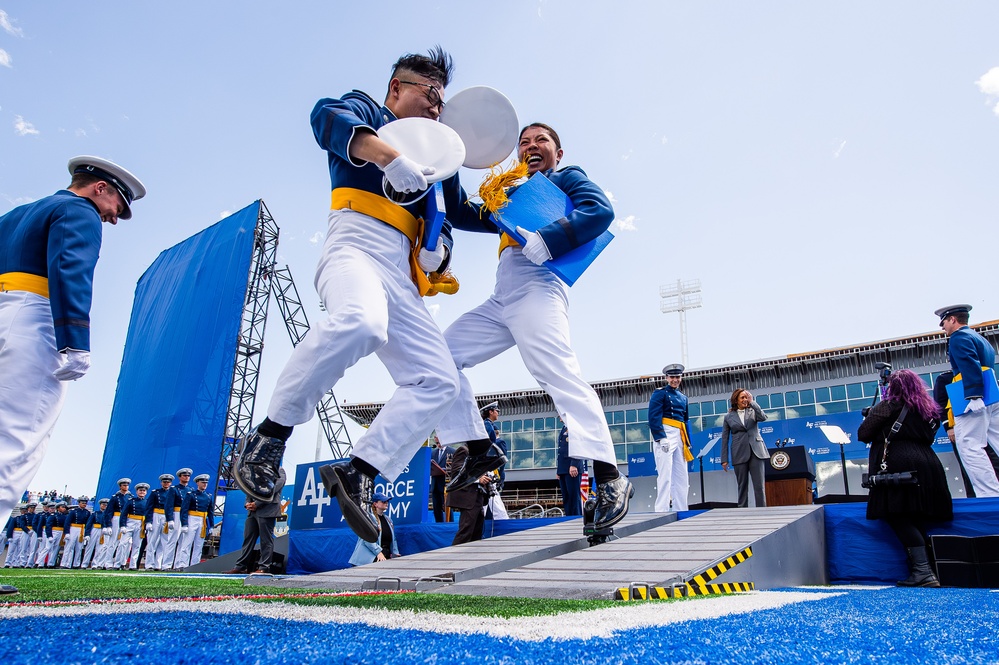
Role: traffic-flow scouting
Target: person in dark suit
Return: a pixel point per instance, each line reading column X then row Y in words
column 260, row 520
column 469, row 500
column 567, row 469
column 749, row 453
column 440, row 459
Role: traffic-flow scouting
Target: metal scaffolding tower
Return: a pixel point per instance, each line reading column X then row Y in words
column 680, row 298
column 265, row 280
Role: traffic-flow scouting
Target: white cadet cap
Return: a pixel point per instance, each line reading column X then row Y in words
column 142, row 486
column 130, row 187
column 489, row 407
column 181, row 472
column 125, row 480
column 166, row 476
column 203, row 476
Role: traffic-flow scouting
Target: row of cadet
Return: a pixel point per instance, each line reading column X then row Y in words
column 120, row 531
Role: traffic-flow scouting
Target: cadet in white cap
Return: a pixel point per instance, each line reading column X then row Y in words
column 50, row 250
column 173, row 500
column 977, row 424
column 75, row 530
column 112, row 522
column 156, row 523
column 197, row 517
column 668, row 421
column 130, row 529
column 93, row 536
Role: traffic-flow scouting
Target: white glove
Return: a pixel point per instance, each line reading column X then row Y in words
column 149, row 528
column 431, row 261
column 76, row 365
column 86, row 539
column 184, row 529
column 122, row 531
column 405, row 175
column 171, row 526
column 108, row 531
column 975, row 405
column 535, row 248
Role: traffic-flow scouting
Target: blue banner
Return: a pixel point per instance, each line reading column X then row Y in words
column 408, row 495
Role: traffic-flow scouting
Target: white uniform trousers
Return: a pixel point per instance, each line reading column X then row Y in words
column 27, row 556
column 529, row 308
column 373, row 306
column 169, row 542
column 15, row 547
column 92, row 547
column 31, row 397
column 129, row 544
column 972, row 432
column 48, row 549
column 672, row 483
column 73, row 550
column 191, row 543
column 154, row 543
column 105, row 555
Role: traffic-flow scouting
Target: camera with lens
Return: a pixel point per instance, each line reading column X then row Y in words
column 867, row 481
column 884, row 372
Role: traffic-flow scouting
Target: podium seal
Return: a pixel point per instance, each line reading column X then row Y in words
column 780, row 460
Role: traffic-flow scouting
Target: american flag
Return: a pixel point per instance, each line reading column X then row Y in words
column 584, row 486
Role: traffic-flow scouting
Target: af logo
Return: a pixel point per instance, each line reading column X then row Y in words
column 780, row 460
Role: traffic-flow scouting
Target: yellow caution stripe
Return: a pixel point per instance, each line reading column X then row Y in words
column 646, row 592
column 705, row 578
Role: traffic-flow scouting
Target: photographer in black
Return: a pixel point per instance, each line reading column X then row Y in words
column 907, row 483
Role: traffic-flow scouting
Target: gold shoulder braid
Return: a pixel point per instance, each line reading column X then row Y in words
column 492, row 191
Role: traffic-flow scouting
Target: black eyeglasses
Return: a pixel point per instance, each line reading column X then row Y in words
column 433, row 96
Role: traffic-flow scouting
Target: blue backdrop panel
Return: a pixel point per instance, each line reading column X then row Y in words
column 408, row 495
column 862, row 550
column 234, row 518
column 173, row 389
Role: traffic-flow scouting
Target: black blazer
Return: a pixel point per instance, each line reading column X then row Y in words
column 746, row 439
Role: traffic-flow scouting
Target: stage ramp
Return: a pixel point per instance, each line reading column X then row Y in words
column 656, row 556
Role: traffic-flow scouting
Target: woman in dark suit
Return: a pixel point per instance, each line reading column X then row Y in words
column 749, row 453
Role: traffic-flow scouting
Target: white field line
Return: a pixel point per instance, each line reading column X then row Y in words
column 603, row 623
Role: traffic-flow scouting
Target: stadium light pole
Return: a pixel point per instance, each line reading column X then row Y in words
column 679, row 298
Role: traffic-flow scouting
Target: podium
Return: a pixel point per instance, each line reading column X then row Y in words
column 789, row 476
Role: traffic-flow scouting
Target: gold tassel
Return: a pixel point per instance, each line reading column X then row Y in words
column 492, row 191
column 445, row 283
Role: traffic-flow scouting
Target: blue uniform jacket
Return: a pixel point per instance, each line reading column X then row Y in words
column 115, row 505
column 666, row 402
column 592, row 214
column 969, row 352
column 53, row 520
column 9, row 528
column 365, row 552
column 37, row 521
column 78, row 516
column 562, row 459
column 154, row 500
column 96, row 517
column 198, row 501
column 173, row 499
column 58, row 237
column 134, row 506
column 335, row 122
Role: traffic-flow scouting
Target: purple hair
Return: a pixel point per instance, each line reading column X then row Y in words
column 906, row 387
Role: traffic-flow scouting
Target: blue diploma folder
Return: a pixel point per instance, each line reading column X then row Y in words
column 955, row 391
column 538, row 203
column 435, row 214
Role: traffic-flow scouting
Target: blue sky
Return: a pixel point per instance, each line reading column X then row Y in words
column 827, row 170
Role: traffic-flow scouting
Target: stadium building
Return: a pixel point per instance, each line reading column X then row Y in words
column 805, row 396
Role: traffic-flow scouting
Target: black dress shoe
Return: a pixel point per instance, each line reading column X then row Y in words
column 236, row 571
column 258, row 465
column 474, row 467
column 6, row 589
column 353, row 491
column 612, row 502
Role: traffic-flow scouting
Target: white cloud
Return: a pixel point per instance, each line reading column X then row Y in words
column 626, row 224
column 317, row 237
column 80, row 133
column 434, row 310
column 8, row 26
column 5, row 59
column 839, row 148
column 628, row 154
column 989, row 85
column 23, row 127
column 224, row 214
column 610, row 196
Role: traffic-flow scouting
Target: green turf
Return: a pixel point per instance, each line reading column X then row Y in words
column 56, row 585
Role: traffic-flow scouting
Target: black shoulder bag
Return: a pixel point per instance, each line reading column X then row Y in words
column 882, row 478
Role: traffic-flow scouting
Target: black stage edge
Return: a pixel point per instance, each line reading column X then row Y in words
column 842, row 498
